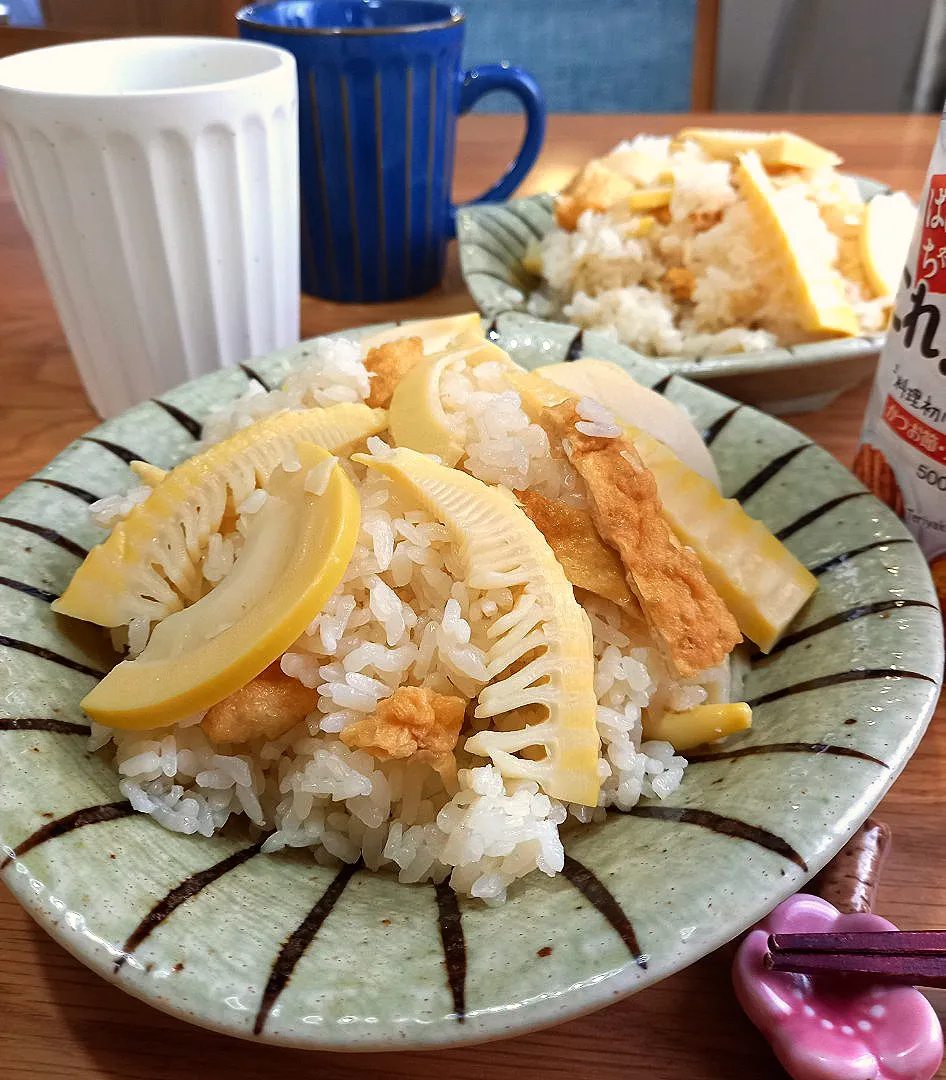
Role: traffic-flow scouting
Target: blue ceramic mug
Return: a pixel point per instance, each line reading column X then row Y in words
column 380, row 90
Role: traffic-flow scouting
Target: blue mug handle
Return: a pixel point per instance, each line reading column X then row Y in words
column 483, row 80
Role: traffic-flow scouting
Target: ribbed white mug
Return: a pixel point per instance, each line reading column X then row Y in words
column 159, row 180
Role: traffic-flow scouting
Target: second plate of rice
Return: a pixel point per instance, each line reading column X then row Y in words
column 744, row 259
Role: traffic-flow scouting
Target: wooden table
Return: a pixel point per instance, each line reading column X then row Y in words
column 57, row 1020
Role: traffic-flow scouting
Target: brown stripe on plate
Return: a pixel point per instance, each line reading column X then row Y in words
column 499, row 255
column 492, row 331
column 784, row 748
column 78, row 819
column 80, row 493
column 600, row 897
column 43, row 723
column 725, row 826
column 454, row 945
column 819, row 511
column 47, row 654
column 253, row 377
column 298, row 941
column 489, row 225
column 180, row 894
column 769, row 472
column 524, row 218
column 840, row 618
column 846, row 556
column 47, row 534
column 838, row 678
column 29, row 590
column 501, row 219
column 575, row 347
column 193, row 427
column 660, row 387
column 713, row 432
column 490, row 274
column 121, row 452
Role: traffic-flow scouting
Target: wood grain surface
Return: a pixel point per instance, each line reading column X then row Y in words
column 57, row 1020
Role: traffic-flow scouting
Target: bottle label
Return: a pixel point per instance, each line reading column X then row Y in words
column 902, row 453
column 931, row 254
column 902, row 458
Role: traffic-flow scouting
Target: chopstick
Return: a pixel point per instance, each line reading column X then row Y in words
column 875, row 943
column 905, row 958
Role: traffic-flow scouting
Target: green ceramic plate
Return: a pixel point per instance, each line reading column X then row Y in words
column 492, row 242
column 276, row 948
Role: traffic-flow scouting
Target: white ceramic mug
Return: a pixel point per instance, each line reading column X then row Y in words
column 159, row 179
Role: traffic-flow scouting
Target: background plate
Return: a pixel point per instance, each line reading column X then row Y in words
column 801, row 378
column 276, row 948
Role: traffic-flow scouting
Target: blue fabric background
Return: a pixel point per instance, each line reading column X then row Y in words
column 24, row 12
column 588, row 55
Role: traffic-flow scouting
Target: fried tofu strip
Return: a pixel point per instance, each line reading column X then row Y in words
column 679, row 282
column 589, row 563
column 267, row 706
column 389, row 363
column 596, row 187
column 414, row 722
column 683, row 610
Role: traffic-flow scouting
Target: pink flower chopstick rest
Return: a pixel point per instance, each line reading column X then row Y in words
column 831, row 1028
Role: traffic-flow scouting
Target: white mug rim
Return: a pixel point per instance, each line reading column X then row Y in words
column 280, row 60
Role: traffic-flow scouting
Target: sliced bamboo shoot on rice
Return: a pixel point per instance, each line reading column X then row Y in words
column 649, row 199
column 437, row 334
column 818, row 287
column 701, row 724
column 758, row 578
column 297, row 547
column 776, row 149
column 150, row 475
column 632, row 403
column 884, row 240
column 541, row 652
column 149, row 567
column 417, row 418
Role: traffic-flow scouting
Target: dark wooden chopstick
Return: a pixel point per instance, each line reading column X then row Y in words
column 884, row 942
column 898, row 957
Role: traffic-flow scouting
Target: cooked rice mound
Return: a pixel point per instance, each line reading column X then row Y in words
column 697, row 276
column 403, row 617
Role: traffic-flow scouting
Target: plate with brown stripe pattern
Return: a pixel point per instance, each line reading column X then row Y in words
column 277, row 948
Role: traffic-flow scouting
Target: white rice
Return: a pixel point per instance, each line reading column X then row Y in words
column 139, row 630
column 334, row 372
column 221, row 554
column 109, row 511
column 255, row 501
column 503, row 446
column 317, row 480
column 596, row 420
column 403, row 616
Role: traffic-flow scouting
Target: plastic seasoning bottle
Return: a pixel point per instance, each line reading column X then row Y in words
column 902, row 451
